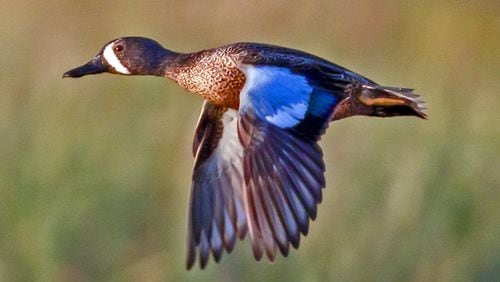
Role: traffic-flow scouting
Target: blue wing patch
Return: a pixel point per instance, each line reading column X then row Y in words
column 287, row 100
column 276, row 94
column 321, row 103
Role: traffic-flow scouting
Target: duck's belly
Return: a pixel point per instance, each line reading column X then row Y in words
column 216, row 78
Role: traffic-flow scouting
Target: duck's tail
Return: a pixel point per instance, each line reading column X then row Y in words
column 392, row 101
column 379, row 101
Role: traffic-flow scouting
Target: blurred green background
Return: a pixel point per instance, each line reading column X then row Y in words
column 95, row 172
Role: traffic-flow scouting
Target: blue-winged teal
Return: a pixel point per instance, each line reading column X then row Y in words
column 258, row 167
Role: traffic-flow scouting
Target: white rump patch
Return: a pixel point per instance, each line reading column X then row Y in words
column 112, row 59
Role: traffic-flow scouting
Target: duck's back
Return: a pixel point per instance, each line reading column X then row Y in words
column 216, row 74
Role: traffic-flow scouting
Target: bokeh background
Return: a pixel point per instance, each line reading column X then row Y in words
column 95, row 172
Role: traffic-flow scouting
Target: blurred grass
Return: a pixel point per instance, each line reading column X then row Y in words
column 94, row 173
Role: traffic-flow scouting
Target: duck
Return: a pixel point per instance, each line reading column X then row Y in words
column 258, row 168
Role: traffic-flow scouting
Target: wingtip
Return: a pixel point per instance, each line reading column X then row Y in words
column 257, row 251
column 191, row 258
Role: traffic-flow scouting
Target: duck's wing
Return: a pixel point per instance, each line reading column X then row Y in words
column 216, row 211
column 281, row 117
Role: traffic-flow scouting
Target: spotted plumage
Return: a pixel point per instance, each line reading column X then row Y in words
column 258, row 168
column 212, row 74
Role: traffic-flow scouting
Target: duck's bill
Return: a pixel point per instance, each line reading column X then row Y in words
column 391, row 101
column 94, row 66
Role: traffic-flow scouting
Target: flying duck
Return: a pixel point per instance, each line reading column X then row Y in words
column 258, row 168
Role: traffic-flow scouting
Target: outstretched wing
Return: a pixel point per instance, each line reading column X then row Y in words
column 281, row 117
column 216, row 211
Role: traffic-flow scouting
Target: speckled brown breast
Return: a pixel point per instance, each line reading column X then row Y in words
column 212, row 74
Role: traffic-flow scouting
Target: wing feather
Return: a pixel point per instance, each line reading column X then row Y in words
column 283, row 166
column 216, row 201
column 259, row 169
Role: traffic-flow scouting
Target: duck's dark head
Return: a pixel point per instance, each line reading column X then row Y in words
column 128, row 56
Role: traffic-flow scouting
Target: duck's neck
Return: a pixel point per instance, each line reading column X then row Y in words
column 160, row 62
column 175, row 63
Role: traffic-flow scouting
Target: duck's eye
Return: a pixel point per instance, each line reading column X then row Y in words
column 118, row 48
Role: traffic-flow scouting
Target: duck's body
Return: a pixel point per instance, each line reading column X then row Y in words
column 216, row 74
column 258, row 167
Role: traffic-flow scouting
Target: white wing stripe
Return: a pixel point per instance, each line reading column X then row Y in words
column 288, row 116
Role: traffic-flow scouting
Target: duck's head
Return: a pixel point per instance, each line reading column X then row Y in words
column 128, row 56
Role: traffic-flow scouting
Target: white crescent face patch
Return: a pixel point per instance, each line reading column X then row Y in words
column 112, row 59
